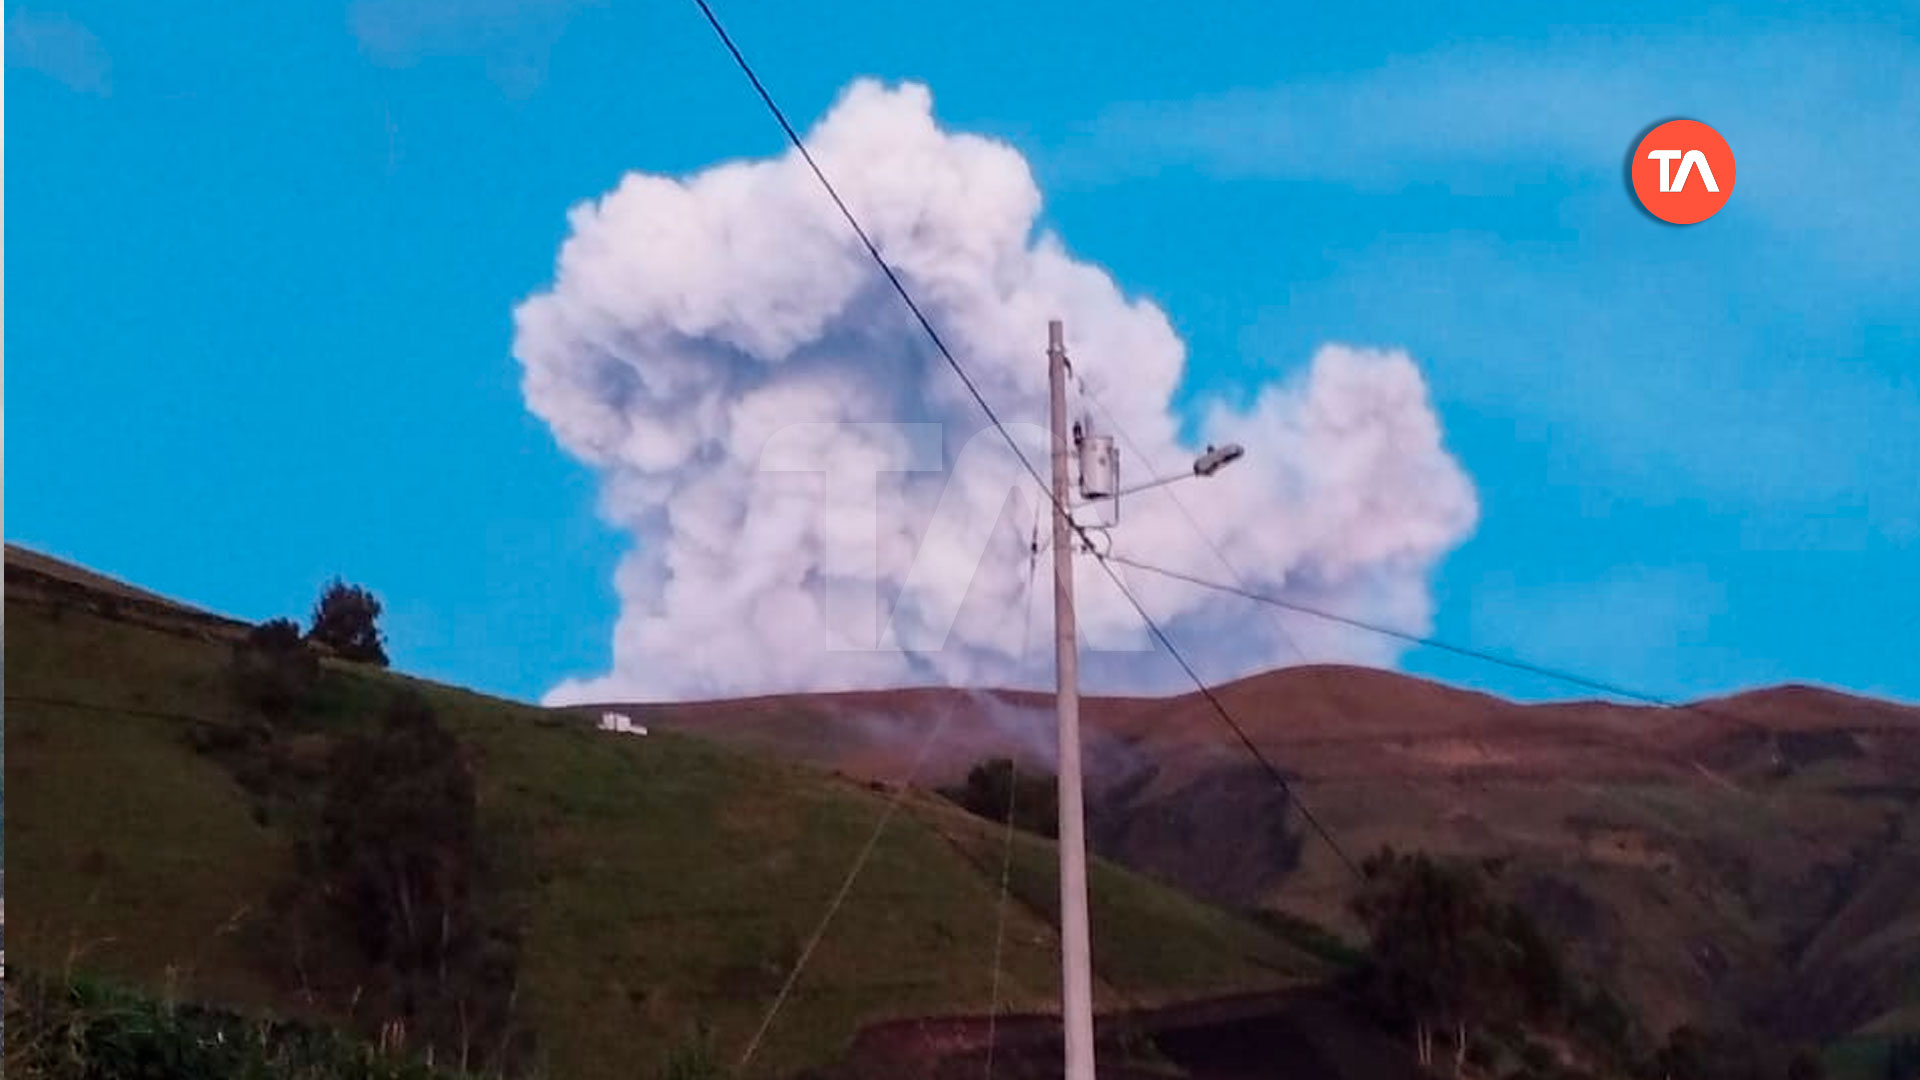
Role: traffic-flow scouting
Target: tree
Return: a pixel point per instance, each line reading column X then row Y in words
column 346, row 620
column 398, row 838
column 995, row 784
column 1445, row 953
column 397, row 855
column 1422, row 921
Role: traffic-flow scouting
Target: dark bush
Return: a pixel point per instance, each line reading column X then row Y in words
column 398, row 837
column 399, row 853
column 275, row 635
column 273, row 670
column 346, row 620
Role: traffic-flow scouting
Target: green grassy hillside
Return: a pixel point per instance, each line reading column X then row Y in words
column 656, row 882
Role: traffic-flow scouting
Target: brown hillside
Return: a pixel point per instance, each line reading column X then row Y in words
column 1744, row 855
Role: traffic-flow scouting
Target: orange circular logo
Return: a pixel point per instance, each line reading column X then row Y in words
column 1683, row 172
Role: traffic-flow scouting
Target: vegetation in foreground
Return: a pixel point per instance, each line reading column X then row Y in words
column 87, row 1029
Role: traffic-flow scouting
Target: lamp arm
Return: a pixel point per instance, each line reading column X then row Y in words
column 1143, row 486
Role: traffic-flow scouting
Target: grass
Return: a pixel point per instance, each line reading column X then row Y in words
column 1151, row 943
column 130, row 855
column 661, row 883
column 84, row 1029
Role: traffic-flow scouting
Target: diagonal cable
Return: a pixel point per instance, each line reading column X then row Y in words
column 973, row 389
column 1000, row 912
column 1557, row 674
column 846, row 885
column 1220, row 709
column 1220, row 556
column 1006, row 840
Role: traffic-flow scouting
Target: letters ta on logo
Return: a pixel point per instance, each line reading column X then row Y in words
column 1682, row 172
column 1688, row 161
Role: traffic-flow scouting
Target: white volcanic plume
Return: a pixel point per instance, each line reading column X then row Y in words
column 815, row 501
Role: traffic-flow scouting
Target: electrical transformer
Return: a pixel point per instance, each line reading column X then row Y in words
column 1099, row 467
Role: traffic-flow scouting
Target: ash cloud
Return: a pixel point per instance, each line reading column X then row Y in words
column 815, row 501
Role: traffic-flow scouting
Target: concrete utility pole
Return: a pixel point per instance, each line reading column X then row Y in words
column 1099, row 485
column 1076, row 950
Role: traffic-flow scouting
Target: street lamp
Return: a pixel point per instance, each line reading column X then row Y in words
column 1100, row 471
column 1216, row 459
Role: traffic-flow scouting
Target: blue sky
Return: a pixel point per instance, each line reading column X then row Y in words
column 263, row 260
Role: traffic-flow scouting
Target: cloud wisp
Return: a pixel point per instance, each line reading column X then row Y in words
column 62, row 48
column 816, row 503
column 513, row 37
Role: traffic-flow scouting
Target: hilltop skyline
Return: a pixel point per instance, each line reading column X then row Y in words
column 265, row 265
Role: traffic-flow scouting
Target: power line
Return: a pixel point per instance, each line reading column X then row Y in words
column 1527, row 666
column 1240, row 588
column 893, row 279
column 846, row 885
column 1000, row 913
column 1557, row 674
column 1328, row 690
column 1286, row 636
column 901, row 788
column 1133, row 447
column 1279, row 778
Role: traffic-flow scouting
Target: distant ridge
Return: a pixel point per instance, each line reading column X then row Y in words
column 32, row 575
